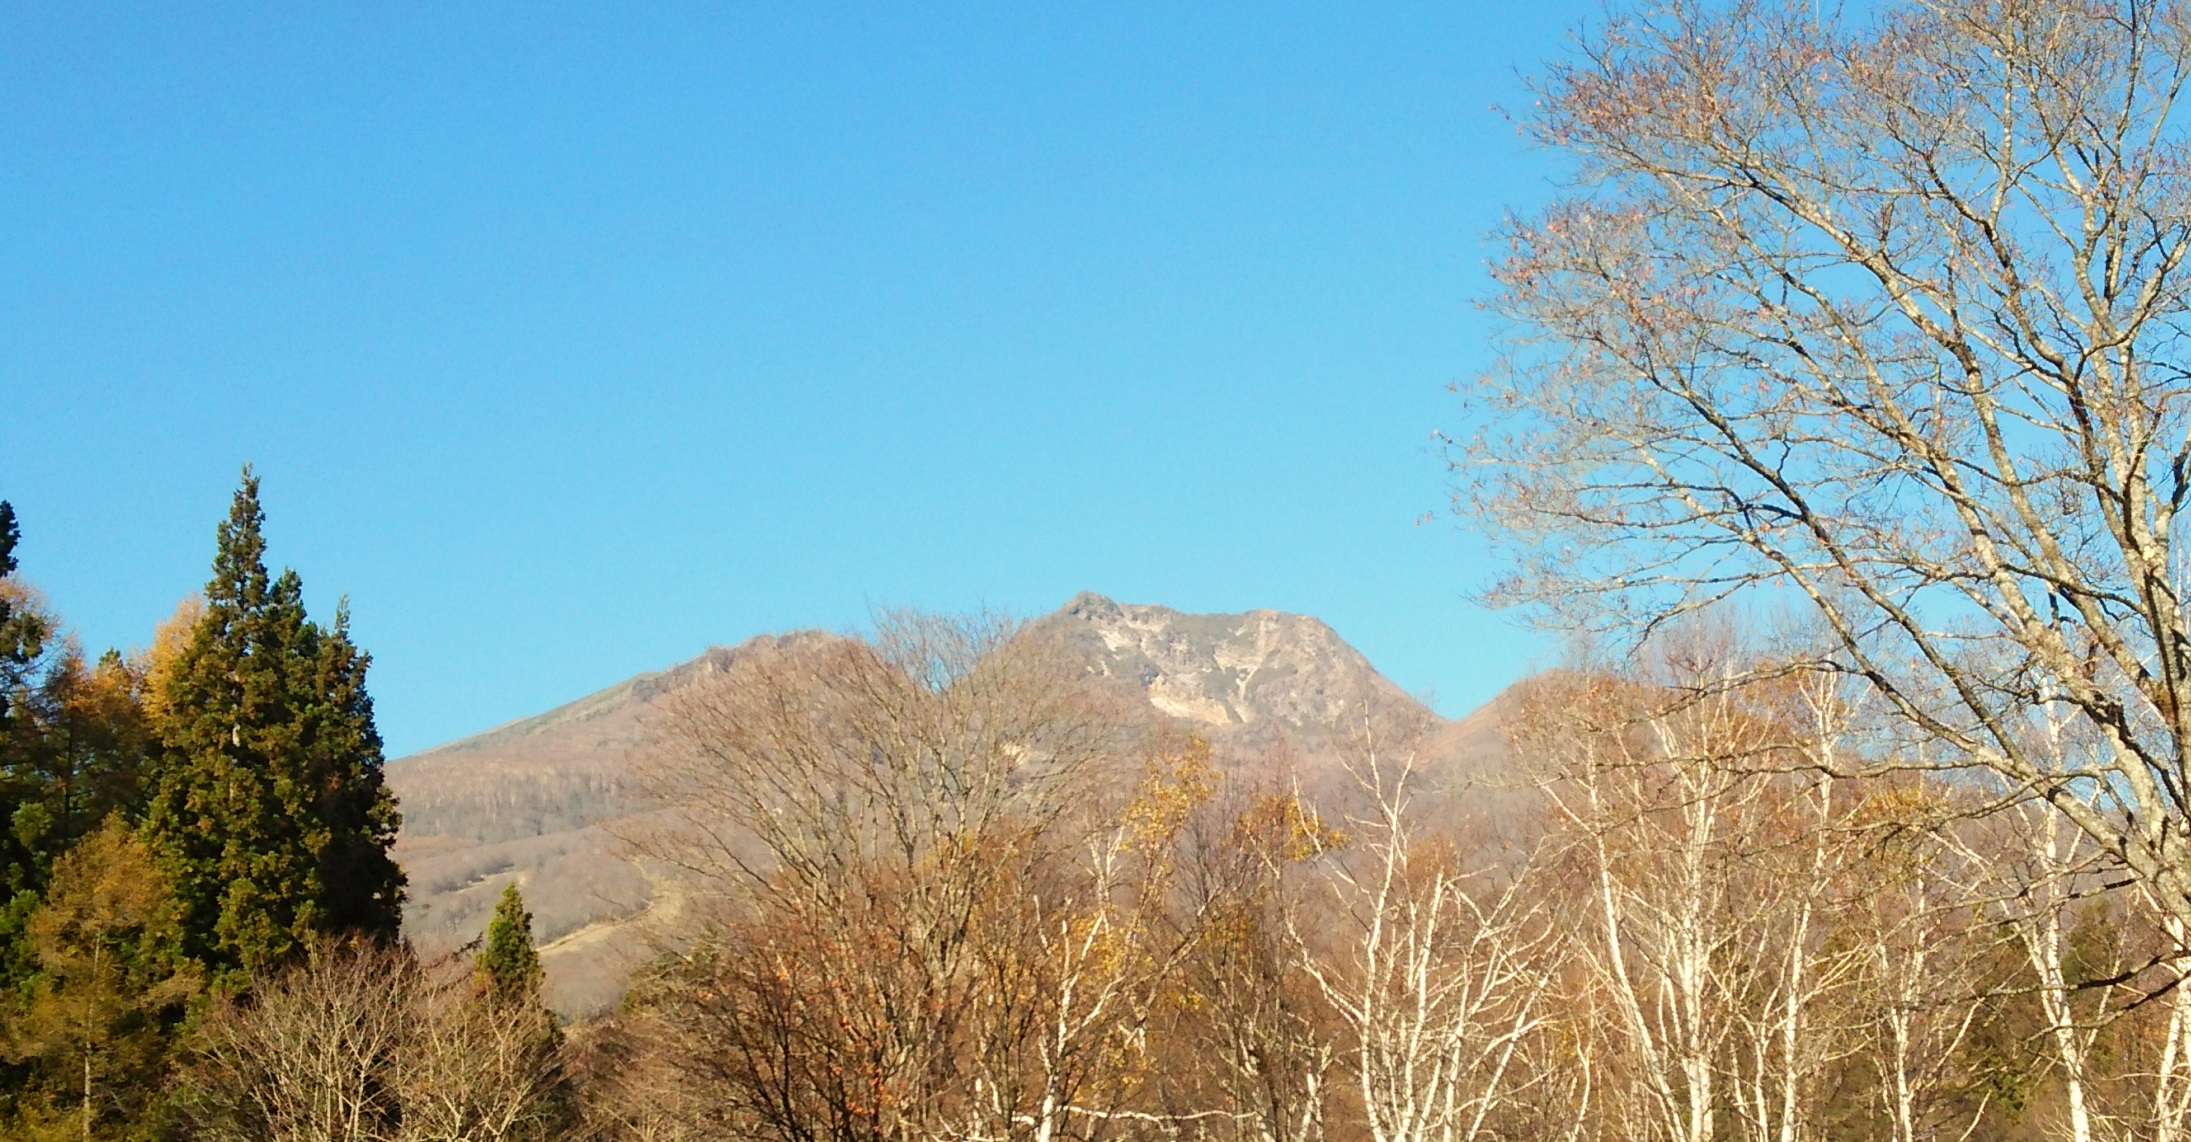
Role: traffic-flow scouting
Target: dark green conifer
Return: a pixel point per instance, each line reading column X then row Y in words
column 509, row 965
column 268, row 814
column 509, row 978
column 24, row 632
column 16, row 652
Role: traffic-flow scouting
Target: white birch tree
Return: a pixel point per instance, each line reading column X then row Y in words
column 1438, row 971
column 1880, row 309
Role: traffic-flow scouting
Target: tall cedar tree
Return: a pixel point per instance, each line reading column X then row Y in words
column 268, row 812
column 16, row 652
column 24, row 631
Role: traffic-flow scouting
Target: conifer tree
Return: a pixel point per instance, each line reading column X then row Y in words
column 89, row 1034
column 508, row 981
column 268, row 814
column 25, row 630
column 509, row 965
column 19, row 644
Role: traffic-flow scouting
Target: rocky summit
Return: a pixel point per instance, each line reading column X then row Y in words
column 1262, row 668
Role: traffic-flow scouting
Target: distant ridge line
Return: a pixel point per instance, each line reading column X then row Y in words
column 614, row 698
column 596, row 703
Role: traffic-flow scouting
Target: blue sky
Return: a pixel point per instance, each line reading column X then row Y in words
column 571, row 341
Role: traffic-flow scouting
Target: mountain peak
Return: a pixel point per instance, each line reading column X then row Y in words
column 1088, row 601
column 542, row 800
column 1255, row 668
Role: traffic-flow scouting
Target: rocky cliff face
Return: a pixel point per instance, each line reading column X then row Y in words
column 1259, row 669
column 542, row 801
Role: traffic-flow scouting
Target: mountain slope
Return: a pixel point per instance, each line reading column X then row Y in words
column 542, row 800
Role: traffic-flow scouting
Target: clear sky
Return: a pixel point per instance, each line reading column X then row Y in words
column 571, row 341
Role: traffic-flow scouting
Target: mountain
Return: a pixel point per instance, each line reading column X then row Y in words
column 542, row 801
column 1260, row 670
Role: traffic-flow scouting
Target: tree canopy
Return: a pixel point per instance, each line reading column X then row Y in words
column 268, row 813
column 509, row 964
column 1884, row 315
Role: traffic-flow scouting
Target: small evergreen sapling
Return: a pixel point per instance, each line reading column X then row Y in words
column 509, row 966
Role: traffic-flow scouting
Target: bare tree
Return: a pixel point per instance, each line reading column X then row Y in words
column 1884, row 313
column 308, row 1057
column 2102, row 967
column 1650, row 813
column 364, row 1044
column 2032, row 869
column 1710, row 867
column 817, row 756
column 1437, row 969
column 1799, row 968
column 627, row 1089
column 2167, row 1107
column 1086, row 954
column 1924, row 991
column 946, row 860
column 475, row 1066
column 1250, row 1025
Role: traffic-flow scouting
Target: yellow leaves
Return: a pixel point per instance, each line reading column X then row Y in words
column 99, row 705
column 1096, row 946
column 104, row 982
column 1177, row 778
column 157, row 662
column 1281, row 828
column 1900, row 803
column 22, row 596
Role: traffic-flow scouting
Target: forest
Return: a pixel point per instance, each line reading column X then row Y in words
column 945, row 884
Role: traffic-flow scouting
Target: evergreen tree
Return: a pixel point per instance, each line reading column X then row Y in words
column 510, row 966
column 268, row 814
column 20, row 641
column 508, row 980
